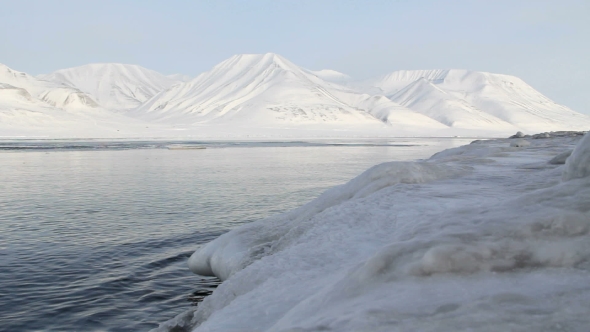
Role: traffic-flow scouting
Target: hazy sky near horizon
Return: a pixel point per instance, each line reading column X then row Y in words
column 544, row 42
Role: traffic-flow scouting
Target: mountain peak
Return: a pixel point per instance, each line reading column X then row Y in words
column 268, row 91
column 263, row 89
column 256, row 57
column 10, row 74
column 245, row 61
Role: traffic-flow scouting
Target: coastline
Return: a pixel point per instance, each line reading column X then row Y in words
column 456, row 195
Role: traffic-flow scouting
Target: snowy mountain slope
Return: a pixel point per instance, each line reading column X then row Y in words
column 41, row 121
column 395, row 115
column 18, row 108
column 25, row 116
column 507, row 98
column 21, row 115
column 114, row 86
column 267, row 95
column 511, row 99
column 267, row 90
column 391, row 83
column 31, row 107
column 426, row 98
column 52, row 93
column 15, row 94
column 253, row 88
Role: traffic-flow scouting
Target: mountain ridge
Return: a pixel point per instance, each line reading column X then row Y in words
column 258, row 93
column 272, row 87
column 505, row 97
column 113, row 85
column 51, row 93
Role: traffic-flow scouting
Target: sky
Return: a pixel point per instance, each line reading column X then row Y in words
column 544, row 42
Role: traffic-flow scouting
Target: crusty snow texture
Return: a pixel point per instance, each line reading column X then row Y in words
column 266, row 95
column 577, row 164
column 485, row 237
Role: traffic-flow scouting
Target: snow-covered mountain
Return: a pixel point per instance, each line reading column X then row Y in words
column 426, row 98
column 115, row 86
column 253, row 88
column 470, row 98
column 32, row 107
column 267, row 95
column 38, row 90
column 267, row 90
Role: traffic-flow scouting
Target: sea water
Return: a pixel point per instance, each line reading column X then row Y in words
column 95, row 235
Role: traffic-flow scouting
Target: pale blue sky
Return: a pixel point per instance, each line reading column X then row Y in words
column 546, row 43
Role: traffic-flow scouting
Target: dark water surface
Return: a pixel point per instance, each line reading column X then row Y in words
column 95, row 235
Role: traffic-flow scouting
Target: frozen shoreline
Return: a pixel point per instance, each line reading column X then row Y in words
column 488, row 236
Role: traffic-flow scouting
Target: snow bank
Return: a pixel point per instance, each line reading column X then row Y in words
column 578, row 164
column 482, row 237
column 235, row 250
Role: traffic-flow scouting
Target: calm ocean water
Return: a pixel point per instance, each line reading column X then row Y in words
column 95, row 235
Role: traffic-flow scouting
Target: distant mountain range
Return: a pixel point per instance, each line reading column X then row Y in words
column 112, row 85
column 266, row 95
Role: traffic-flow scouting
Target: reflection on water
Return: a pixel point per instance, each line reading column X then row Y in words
column 95, row 235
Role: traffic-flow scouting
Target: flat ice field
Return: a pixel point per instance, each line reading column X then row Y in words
column 492, row 236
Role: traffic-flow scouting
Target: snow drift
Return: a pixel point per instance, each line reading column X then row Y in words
column 482, row 237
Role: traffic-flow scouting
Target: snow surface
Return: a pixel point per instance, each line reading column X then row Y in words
column 267, row 96
column 484, row 237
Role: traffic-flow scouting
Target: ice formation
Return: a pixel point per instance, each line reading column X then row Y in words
column 484, row 237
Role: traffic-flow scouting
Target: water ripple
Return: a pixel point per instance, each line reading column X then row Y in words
column 94, row 236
